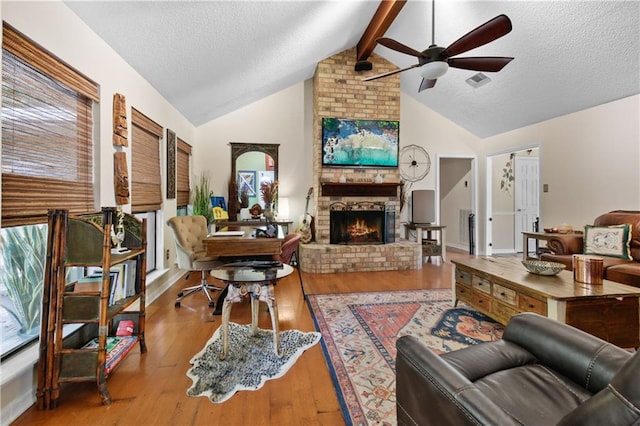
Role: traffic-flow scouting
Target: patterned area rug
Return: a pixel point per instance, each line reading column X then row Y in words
column 250, row 362
column 359, row 332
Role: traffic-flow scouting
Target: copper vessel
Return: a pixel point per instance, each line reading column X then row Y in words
column 587, row 269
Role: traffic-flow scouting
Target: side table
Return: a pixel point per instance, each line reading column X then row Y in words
column 256, row 280
column 431, row 246
column 545, row 236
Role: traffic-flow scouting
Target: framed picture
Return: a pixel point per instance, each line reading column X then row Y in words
column 247, row 182
column 265, row 176
column 218, row 202
column 269, row 163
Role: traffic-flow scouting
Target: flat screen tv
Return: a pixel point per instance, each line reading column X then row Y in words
column 359, row 143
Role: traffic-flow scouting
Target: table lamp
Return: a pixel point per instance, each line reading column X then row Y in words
column 283, row 208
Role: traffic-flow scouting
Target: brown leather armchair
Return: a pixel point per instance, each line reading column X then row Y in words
column 542, row 372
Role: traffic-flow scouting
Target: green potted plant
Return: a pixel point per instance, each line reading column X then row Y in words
column 23, row 256
column 202, row 199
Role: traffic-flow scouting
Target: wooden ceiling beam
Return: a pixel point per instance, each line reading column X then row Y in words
column 380, row 23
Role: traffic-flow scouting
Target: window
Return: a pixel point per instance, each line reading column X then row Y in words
column 146, row 194
column 183, row 173
column 47, row 163
column 151, row 238
column 146, row 190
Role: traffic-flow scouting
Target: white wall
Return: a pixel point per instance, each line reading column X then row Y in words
column 278, row 119
column 52, row 25
column 503, row 214
column 422, row 126
column 589, row 159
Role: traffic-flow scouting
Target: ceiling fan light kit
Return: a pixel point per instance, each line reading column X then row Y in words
column 435, row 60
column 433, row 70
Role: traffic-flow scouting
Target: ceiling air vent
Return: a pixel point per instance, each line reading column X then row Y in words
column 478, row 80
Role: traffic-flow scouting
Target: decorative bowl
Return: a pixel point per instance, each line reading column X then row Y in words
column 542, row 267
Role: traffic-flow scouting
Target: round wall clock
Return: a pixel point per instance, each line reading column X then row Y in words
column 414, row 163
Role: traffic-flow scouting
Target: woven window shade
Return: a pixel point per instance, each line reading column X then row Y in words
column 146, row 191
column 46, row 140
column 46, row 63
column 182, row 175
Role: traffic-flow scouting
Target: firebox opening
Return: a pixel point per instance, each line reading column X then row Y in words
column 355, row 226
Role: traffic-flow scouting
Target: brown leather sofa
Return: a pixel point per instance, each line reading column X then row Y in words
column 563, row 247
column 542, row 372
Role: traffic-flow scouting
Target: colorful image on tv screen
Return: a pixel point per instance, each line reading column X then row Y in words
column 359, row 142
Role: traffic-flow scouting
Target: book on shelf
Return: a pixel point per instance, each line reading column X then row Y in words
column 113, row 286
column 88, row 284
column 130, row 278
column 117, row 292
column 122, row 283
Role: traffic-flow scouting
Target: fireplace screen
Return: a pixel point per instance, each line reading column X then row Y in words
column 357, row 223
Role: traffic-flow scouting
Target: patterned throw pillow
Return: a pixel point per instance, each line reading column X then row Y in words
column 610, row 241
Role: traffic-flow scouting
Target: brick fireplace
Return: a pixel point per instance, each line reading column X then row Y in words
column 339, row 92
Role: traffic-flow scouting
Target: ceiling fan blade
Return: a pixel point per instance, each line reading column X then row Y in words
column 426, row 84
column 399, row 47
column 485, row 33
column 386, row 74
column 480, row 63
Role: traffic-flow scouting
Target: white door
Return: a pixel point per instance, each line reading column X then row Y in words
column 526, row 196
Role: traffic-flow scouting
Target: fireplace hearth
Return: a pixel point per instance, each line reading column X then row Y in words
column 357, row 223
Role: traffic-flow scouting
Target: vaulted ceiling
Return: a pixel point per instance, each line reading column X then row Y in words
column 209, row 58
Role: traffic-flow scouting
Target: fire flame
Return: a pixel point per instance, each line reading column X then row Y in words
column 360, row 228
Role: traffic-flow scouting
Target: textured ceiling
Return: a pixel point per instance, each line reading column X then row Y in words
column 210, row 58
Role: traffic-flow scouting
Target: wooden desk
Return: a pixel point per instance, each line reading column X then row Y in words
column 501, row 287
column 253, row 222
column 541, row 236
column 246, row 245
column 431, row 246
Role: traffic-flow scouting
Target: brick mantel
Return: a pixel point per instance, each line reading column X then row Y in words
column 360, row 189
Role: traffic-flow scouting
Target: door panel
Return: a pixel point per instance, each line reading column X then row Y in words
column 526, row 197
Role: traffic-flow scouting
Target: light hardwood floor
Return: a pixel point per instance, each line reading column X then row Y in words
column 150, row 389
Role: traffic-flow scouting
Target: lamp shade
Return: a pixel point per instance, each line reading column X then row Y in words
column 283, row 208
column 433, row 70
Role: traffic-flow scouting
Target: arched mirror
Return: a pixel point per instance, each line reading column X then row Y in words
column 251, row 164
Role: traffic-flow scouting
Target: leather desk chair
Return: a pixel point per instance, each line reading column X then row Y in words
column 188, row 232
column 289, row 254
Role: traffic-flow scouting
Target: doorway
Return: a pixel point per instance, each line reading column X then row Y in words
column 526, row 199
column 456, row 184
column 512, row 199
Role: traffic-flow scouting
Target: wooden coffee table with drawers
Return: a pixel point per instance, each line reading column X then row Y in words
column 502, row 287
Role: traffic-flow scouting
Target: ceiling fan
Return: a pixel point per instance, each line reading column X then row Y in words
column 436, row 60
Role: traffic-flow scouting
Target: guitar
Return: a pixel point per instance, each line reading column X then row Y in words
column 306, row 222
